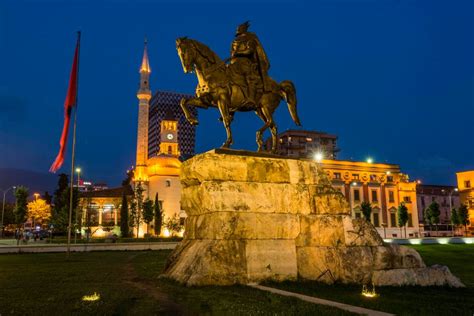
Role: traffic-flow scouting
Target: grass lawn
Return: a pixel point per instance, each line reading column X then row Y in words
column 128, row 283
column 409, row 300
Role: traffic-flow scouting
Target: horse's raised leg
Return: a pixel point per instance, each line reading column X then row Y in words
column 184, row 105
column 261, row 130
column 223, row 105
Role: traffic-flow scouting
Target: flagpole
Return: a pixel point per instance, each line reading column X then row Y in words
column 73, row 149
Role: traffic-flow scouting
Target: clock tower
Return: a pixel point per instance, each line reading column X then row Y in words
column 169, row 135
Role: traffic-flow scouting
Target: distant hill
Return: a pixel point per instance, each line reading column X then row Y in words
column 33, row 180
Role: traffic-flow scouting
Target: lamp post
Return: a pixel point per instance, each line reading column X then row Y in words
column 3, row 208
column 78, row 170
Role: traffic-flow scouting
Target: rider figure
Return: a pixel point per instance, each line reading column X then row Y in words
column 249, row 61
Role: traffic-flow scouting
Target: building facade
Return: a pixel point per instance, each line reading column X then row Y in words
column 465, row 181
column 100, row 211
column 383, row 186
column 447, row 197
column 165, row 104
column 305, row 144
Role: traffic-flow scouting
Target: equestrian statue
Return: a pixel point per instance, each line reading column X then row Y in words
column 238, row 84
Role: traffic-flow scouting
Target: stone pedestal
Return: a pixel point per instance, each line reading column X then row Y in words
column 255, row 217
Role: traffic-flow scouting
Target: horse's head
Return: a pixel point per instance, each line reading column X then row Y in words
column 194, row 54
column 186, row 53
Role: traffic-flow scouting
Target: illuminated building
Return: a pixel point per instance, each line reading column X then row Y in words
column 86, row 186
column 100, row 211
column 466, row 194
column 383, row 186
column 158, row 173
column 447, row 198
column 305, row 144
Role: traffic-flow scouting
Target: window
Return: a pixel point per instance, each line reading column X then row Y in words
column 422, row 201
column 355, row 176
column 376, row 220
column 337, row 175
column 357, row 214
column 393, row 219
column 170, row 150
column 356, row 195
column 433, row 199
column 374, row 196
column 406, row 199
column 467, row 183
column 391, row 196
column 167, row 183
column 410, row 220
column 389, row 178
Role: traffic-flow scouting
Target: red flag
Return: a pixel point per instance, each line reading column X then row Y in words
column 69, row 103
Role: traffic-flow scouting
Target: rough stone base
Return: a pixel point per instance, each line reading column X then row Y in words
column 253, row 218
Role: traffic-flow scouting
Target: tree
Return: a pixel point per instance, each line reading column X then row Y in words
column 173, row 224
column 463, row 215
column 133, row 214
column 48, row 198
column 129, row 178
column 434, row 213
column 366, row 210
column 136, row 207
column 148, row 213
column 402, row 215
column 124, row 217
column 21, row 202
column 158, row 215
column 39, row 210
column 60, row 212
column 454, row 219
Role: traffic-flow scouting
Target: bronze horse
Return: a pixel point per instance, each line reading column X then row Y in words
column 216, row 88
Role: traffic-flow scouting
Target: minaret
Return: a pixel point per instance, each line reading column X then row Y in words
column 144, row 96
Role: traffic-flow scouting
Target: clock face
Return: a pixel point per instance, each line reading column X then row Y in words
column 170, row 136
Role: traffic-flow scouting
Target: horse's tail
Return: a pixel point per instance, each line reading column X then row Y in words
column 288, row 93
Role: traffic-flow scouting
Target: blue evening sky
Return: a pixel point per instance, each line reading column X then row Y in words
column 393, row 79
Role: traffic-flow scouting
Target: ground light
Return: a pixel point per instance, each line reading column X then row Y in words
column 91, row 298
column 369, row 293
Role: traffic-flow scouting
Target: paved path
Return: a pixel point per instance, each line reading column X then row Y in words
column 346, row 307
column 37, row 248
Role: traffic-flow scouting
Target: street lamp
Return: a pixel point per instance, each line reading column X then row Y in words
column 78, row 170
column 3, row 208
column 370, row 160
column 318, row 156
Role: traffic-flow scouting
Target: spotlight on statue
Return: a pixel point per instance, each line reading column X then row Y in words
column 370, row 293
column 91, row 298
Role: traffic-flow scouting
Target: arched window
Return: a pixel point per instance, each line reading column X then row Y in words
column 168, row 183
column 170, row 150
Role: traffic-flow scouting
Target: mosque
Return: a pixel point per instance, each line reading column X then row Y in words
column 164, row 140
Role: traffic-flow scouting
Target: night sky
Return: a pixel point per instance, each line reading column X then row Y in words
column 393, row 79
